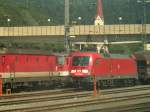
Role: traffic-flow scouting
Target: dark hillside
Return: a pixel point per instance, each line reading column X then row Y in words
column 37, row 12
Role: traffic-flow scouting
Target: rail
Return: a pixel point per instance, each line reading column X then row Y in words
column 76, row 100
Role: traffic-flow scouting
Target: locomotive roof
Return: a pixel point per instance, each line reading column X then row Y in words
column 119, row 55
column 30, row 52
column 24, row 52
column 101, row 55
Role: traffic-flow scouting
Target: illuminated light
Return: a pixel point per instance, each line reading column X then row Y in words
column 79, row 74
column 73, row 71
column 78, row 70
column 85, row 71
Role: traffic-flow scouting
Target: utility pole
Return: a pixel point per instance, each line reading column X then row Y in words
column 144, row 33
column 144, row 21
column 67, row 26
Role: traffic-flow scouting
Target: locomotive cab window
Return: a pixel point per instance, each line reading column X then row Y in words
column 81, row 60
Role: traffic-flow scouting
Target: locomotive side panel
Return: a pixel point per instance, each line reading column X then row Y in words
column 124, row 67
column 29, row 63
column 1, row 65
column 28, row 66
column 113, row 67
column 101, row 67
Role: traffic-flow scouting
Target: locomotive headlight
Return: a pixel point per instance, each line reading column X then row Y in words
column 85, row 71
column 73, row 71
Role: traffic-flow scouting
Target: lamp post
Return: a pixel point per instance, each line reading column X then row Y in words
column 8, row 24
column 8, row 20
column 48, row 20
column 120, row 19
column 67, row 26
column 143, row 2
column 79, row 20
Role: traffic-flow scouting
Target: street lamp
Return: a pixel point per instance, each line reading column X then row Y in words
column 143, row 2
column 48, row 19
column 120, row 19
column 79, row 19
column 8, row 24
column 8, row 20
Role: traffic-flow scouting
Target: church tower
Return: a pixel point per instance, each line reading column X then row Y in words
column 99, row 19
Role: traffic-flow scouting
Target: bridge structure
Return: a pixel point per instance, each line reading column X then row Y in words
column 82, row 34
column 76, row 30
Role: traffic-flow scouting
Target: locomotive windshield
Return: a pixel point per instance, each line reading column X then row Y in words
column 80, row 61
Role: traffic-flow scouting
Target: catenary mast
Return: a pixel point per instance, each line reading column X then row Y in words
column 67, row 26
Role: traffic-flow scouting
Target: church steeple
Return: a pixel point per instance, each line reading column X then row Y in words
column 99, row 20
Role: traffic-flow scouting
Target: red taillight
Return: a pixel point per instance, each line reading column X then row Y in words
column 78, row 74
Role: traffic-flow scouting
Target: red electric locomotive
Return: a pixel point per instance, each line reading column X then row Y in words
column 31, row 69
column 109, row 70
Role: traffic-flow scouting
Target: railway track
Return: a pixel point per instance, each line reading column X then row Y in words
column 43, row 98
column 59, row 91
column 127, row 89
column 37, row 93
column 142, row 107
column 71, row 100
column 60, row 94
column 64, row 105
column 86, row 104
